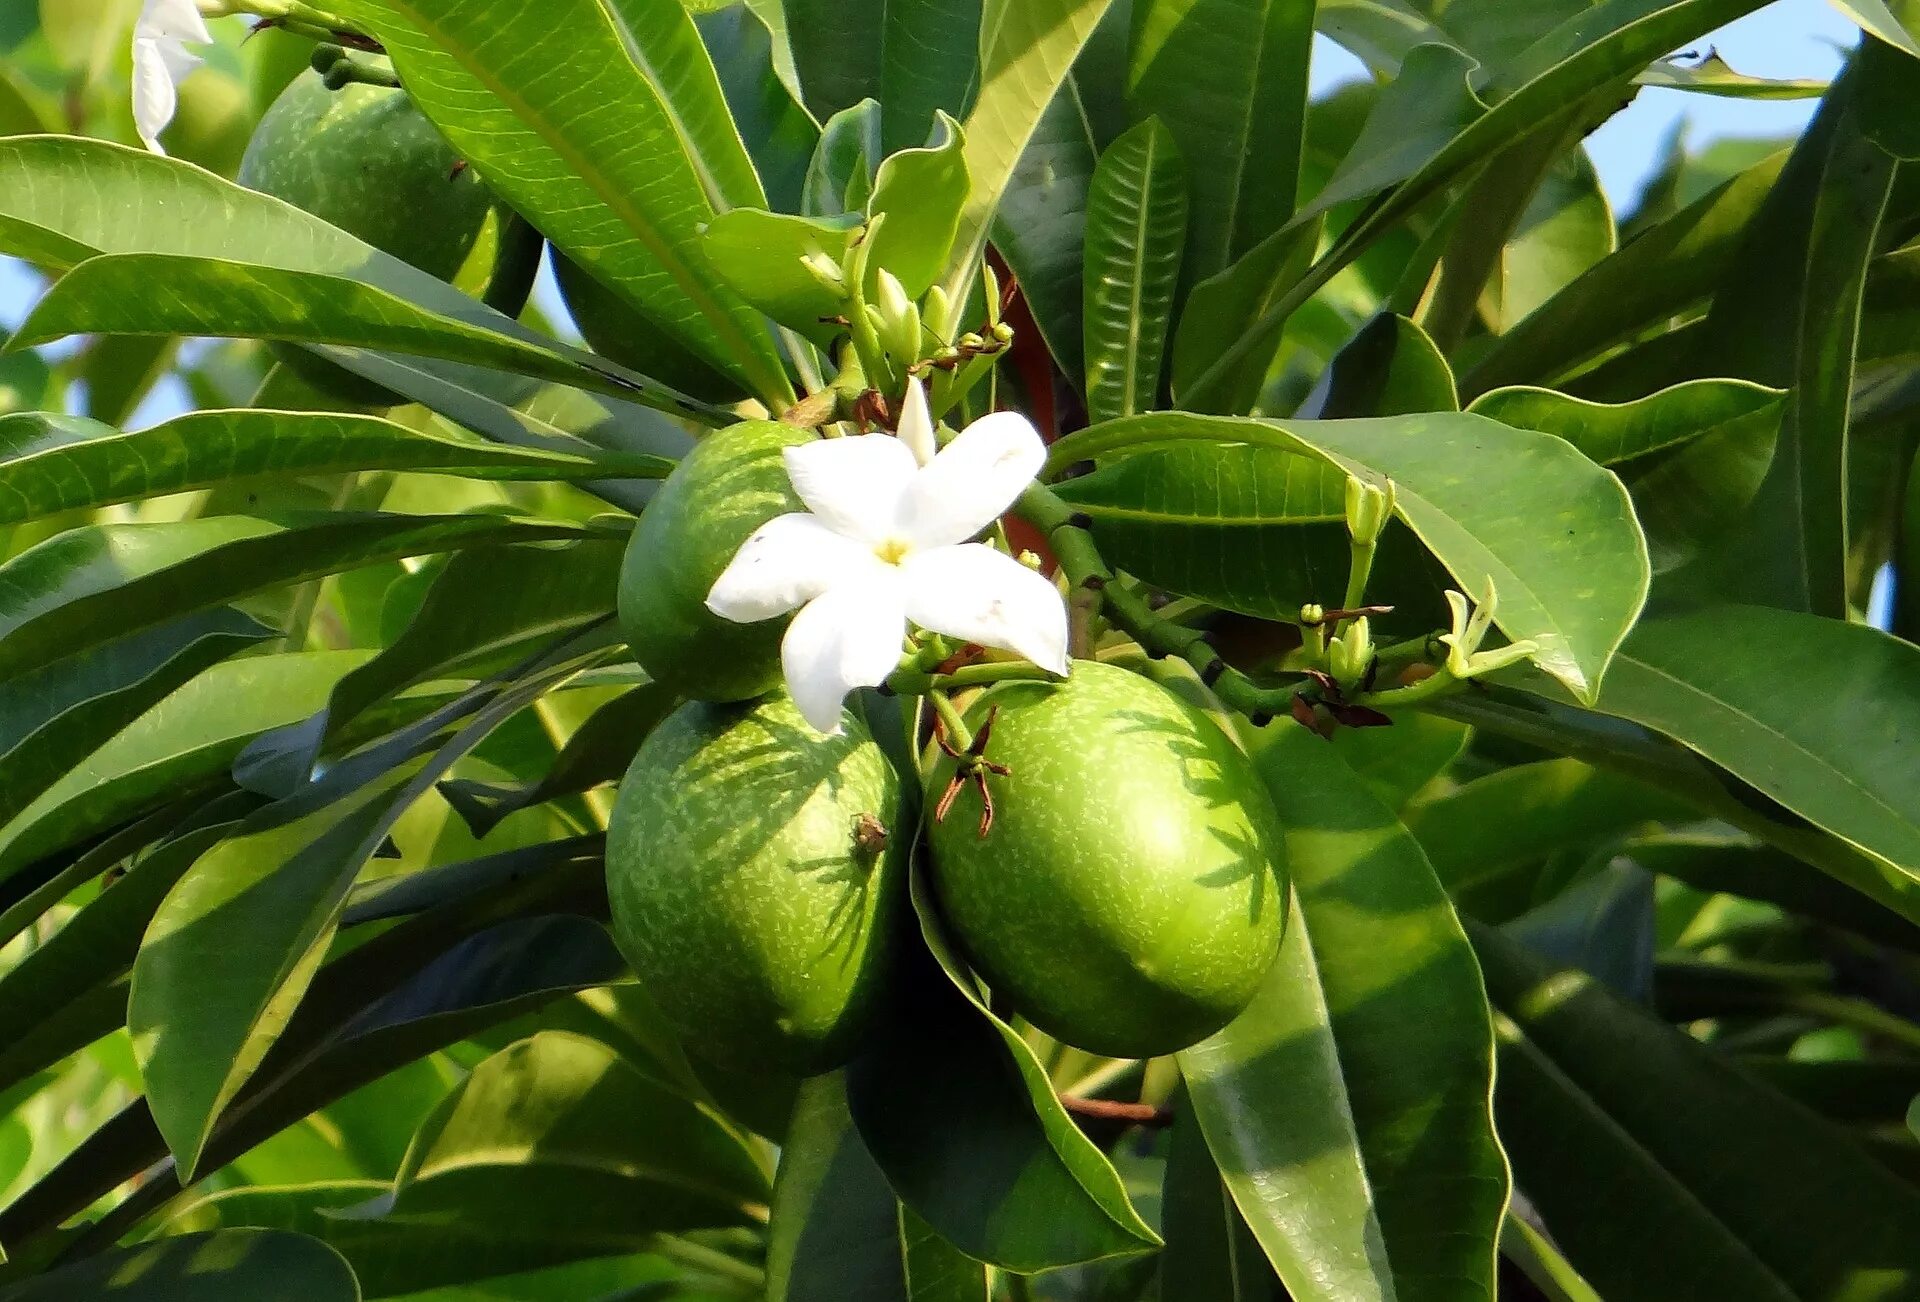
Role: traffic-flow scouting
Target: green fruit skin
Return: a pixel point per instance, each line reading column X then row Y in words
column 1131, row 893
column 741, row 892
column 364, row 159
column 732, row 482
column 616, row 331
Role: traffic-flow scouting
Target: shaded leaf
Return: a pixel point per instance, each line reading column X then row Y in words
column 1136, row 223
column 1473, row 490
column 274, row 1264
column 51, row 463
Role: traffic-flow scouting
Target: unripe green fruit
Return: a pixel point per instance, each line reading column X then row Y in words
column 732, row 482
column 1130, row 894
column 756, row 873
column 364, row 159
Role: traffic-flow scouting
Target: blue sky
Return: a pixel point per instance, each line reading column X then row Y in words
column 1790, row 38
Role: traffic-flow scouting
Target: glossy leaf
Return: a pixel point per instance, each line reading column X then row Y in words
column 1789, row 314
column 840, row 176
column 837, row 52
column 929, row 63
column 181, row 745
column 1228, row 78
column 1692, row 456
column 242, row 1263
column 84, row 587
column 52, row 720
column 228, row 299
column 837, row 1232
column 759, row 254
column 1210, row 1248
column 1698, row 679
column 1046, row 1197
column 1136, row 224
column 1713, row 75
column 1733, row 1190
column 51, row 463
column 1603, row 924
column 1364, row 892
column 1389, row 368
column 1225, row 307
column 619, row 178
column 779, row 134
column 561, row 1115
column 1040, row 225
column 229, row 953
column 1027, row 48
column 1658, row 273
column 1472, row 490
column 922, row 191
column 79, row 199
column 1577, row 58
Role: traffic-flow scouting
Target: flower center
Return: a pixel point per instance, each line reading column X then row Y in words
column 893, row 550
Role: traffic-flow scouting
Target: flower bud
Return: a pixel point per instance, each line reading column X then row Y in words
column 1368, row 510
column 1350, row 655
column 899, row 319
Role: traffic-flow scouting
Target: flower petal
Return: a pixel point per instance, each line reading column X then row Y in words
column 172, row 20
column 853, row 484
column 784, row 564
column 981, row 595
column 973, row 480
column 848, row 637
column 157, row 65
column 916, row 423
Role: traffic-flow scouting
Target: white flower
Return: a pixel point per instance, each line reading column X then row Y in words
column 161, row 61
column 884, row 541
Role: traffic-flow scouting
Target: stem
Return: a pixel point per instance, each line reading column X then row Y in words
column 914, row 683
column 958, row 736
column 1084, row 568
column 1441, row 683
column 1359, row 571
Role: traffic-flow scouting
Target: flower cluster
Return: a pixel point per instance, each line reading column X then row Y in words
column 885, row 541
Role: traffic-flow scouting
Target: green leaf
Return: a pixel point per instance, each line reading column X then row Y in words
column 1713, row 75
column 1585, row 54
column 779, row 134
column 1027, row 48
column 840, row 177
column 1656, row 274
column 557, row 1135
column 1473, row 491
column 95, row 695
column 1229, row 80
column 837, row 1233
column 1411, row 1057
column 1136, row 227
column 535, row 595
column 80, row 199
column 1389, row 368
column 229, row 953
column 1210, row 1248
column 1692, row 456
column 1711, row 680
column 929, row 64
column 1789, row 315
column 84, row 587
column 837, row 53
column 1481, row 832
column 226, row 299
column 1040, row 225
column 1564, row 230
column 921, row 191
column 949, row 1077
column 1603, row 924
column 51, row 463
column 621, row 178
column 1875, row 18
column 96, row 946
column 1718, row 1187
column 759, row 253
column 184, row 743
column 599, row 752
column 263, row 1264
column 1224, row 307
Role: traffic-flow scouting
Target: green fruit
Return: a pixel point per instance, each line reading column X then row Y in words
column 732, row 482
column 1129, row 896
column 364, row 159
column 756, row 872
column 211, row 123
column 616, row 331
